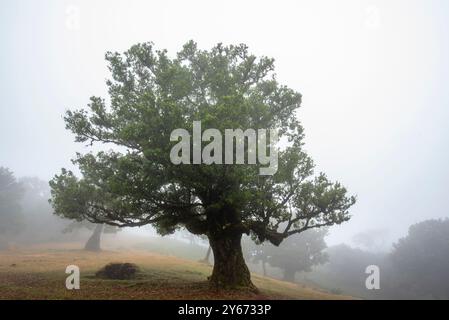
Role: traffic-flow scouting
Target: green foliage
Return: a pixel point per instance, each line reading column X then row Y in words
column 11, row 193
column 152, row 94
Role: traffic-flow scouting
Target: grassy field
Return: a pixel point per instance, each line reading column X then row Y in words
column 39, row 273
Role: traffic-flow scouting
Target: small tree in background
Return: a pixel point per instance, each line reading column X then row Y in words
column 297, row 253
column 94, row 241
column 206, row 258
column 11, row 193
column 256, row 252
column 226, row 87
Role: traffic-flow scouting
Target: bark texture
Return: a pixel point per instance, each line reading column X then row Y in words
column 230, row 269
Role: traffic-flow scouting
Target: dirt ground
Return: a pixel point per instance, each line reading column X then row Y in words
column 39, row 273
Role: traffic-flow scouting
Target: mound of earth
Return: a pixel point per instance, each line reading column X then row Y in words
column 118, row 271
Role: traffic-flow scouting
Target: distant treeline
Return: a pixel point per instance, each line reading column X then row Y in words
column 26, row 217
column 417, row 267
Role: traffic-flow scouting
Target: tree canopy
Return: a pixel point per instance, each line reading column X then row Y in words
column 136, row 183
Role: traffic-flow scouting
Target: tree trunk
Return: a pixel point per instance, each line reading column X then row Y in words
column 289, row 275
column 230, row 270
column 93, row 244
column 206, row 258
column 264, row 268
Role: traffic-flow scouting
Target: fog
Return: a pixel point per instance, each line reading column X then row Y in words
column 373, row 76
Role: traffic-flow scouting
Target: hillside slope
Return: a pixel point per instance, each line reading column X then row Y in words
column 40, row 274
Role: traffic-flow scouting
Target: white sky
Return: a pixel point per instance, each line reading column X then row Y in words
column 373, row 74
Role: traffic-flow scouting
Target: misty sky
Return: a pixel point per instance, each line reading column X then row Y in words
column 374, row 77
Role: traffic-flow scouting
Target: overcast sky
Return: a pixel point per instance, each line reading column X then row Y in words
column 374, row 77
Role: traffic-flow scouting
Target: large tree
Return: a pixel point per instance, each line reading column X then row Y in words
column 151, row 94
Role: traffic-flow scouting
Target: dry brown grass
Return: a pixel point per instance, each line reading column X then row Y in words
column 39, row 273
